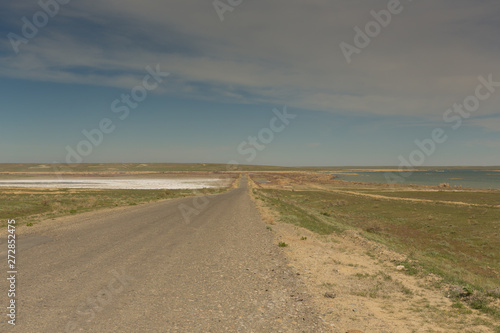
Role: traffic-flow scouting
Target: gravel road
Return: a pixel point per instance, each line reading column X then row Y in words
column 146, row 269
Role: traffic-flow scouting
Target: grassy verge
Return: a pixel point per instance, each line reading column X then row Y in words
column 27, row 206
column 457, row 242
column 290, row 213
column 477, row 198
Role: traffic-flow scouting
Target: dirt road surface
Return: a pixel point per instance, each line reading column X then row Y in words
column 148, row 269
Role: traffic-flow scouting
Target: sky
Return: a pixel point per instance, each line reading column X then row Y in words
column 284, row 82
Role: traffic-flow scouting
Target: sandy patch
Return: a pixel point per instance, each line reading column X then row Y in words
column 41, row 166
column 369, row 293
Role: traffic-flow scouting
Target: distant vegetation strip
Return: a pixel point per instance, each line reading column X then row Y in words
column 182, row 167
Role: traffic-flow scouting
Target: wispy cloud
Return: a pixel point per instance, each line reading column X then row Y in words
column 283, row 52
column 490, row 123
column 484, row 143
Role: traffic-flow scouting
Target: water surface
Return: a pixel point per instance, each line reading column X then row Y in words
column 467, row 178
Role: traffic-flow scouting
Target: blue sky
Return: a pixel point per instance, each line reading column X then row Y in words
column 226, row 77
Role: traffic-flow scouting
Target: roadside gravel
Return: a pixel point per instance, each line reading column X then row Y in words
column 147, row 269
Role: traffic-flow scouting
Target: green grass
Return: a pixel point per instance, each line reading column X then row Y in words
column 30, row 205
column 481, row 198
column 298, row 216
column 411, row 267
column 459, row 243
column 379, row 285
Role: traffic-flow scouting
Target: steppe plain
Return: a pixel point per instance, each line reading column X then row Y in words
column 372, row 257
